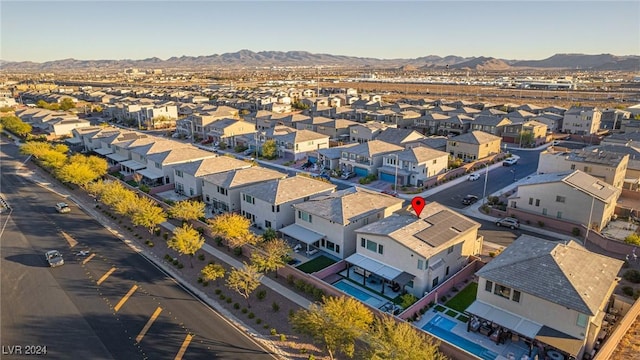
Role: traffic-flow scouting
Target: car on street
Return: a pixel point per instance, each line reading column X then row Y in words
column 54, row 258
column 348, row 175
column 62, row 208
column 509, row 222
column 510, row 161
column 469, row 199
column 474, row 177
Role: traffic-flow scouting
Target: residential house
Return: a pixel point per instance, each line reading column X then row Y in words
column 298, row 144
column 473, row 146
column 330, row 158
column 490, row 124
column 610, row 167
column 525, row 134
column 222, row 190
column 228, row 130
column 632, row 175
column 159, row 168
column 455, row 125
column 270, row 204
column 572, row 196
column 139, row 153
column 64, row 127
column 612, row 119
column 328, row 222
column 543, row 291
column 199, row 124
column 553, row 121
column 581, row 120
column 434, row 142
column 416, row 253
column 188, row 175
column 558, row 110
column 430, row 123
column 364, row 159
column 336, row 129
column 366, row 132
column 413, row 166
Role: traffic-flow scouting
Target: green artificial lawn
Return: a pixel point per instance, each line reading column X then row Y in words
column 451, row 313
column 316, row 264
column 464, row 298
column 463, row 318
column 439, row 308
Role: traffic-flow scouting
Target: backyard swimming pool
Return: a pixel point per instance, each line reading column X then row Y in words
column 360, row 294
column 441, row 327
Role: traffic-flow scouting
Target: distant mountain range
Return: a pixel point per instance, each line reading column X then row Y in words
column 250, row 59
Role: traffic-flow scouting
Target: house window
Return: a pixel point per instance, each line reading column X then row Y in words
column 544, row 211
column 267, row 224
column 363, row 242
column 371, row 245
column 380, row 249
column 435, row 161
column 446, row 271
column 450, row 249
column 530, row 201
column 207, row 199
column 559, row 215
column 516, row 296
column 582, row 320
column 345, row 155
column 573, row 166
column 537, row 202
column 178, row 173
column 158, row 166
column 488, row 286
column 502, row 291
column 435, row 281
column 275, row 208
column 304, row 216
column 420, row 262
column 221, row 190
column 331, row 246
column 560, row 199
column 248, row 198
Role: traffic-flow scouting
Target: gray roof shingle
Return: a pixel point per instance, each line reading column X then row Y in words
column 281, row 191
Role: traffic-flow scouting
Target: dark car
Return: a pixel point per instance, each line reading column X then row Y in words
column 469, row 199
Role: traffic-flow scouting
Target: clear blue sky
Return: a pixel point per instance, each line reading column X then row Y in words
column 53, row 30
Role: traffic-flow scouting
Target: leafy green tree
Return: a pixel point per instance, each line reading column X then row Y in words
column 269, row 234
column 127, row 203
column 35, row 148
column 244, row 281
column 15, row 125
column 269, row 149
column 336, row 323
column 187, row 210
column 186, row 241
column 53, row 159
column 42, row 104
column 273, row 256
column 66, row 104
column 390, row 339
column 633, row 239
column 113, row 192
column 148, row 214
column 212, row 272
column 81, row 170
column 234, row 228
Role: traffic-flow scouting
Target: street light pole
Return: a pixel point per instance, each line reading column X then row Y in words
column 486, row 176
column 395, row 182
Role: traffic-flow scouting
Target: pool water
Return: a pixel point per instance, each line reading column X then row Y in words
column 359, row 294
column 441, row 327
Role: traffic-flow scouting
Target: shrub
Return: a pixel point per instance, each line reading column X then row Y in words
column 575, row 231
column 290, row 279
column 492, row 253
column 165, row 236
column 168, row 257
column 275, row 306
column 222, row 297
column 218, row 291
column 251, row 315
column 157, row 232
column 283, row 337
column 632, row 275
column 229, row 300
column 180, row 265
column 236, row 306
column 237, row 251
column 627, row 290
column 201, row 257
column 149, row 243
column 244, row 310
column 407, row 300
column 540, row 223
column 273, row 331
column 258, row 321
column 633, row 239
column 199, row 280
column 454, row 289
column 218, row 240
column 206, row 283
column 311, row 357
column 443, row 298
column 175, row 262
column 261, row 294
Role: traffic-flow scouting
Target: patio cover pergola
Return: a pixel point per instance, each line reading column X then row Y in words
column 383, row 270
column 103, row 151
column 133, row 165
column 560, row 340
column 511, row 321
column 301, row 233
column 150, row 174
column 117, row 157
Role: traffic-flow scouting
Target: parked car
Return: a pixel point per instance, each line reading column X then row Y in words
column 510, row 222
column 249, row 152
column 62, row 208
column 474, row 177
column 348, row 175
column 323, row 176
column 510, row 161
column 469, row 199
column 54, row 258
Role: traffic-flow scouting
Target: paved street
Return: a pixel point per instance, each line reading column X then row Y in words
column 113, row 303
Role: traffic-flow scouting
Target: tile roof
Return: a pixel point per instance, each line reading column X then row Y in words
column 576, row 179
column 555, row 272
column 299, row 136
column 180, row 155
column 281, row 191
column 241, row 177
column 398, row 136
column 346, row 206
column 211, row 165
column 475, row 137
column 373, row 147
column 436, row 227
column 420, row 154
column 159, row 146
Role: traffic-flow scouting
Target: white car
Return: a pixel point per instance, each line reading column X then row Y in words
column 54, row 258
column 474, row 177
column 510, row 161
column 62, row 208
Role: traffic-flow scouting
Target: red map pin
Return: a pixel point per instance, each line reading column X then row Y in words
column 417, row 203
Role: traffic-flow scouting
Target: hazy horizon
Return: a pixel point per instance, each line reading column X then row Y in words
column 514, row 30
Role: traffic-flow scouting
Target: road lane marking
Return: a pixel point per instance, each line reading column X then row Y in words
column 148, row 324
column 72, row 242
column 184, row 346
column 88, row 258
column 105, row 276
column 125, row 297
